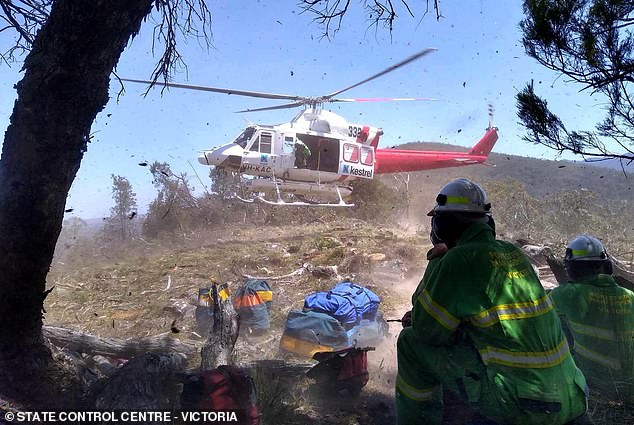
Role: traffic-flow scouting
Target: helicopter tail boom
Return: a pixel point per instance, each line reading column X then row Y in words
column 397, row 161
column 485, row 145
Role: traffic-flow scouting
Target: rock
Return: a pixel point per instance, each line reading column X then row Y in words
column 376, row 257
column 180, row 308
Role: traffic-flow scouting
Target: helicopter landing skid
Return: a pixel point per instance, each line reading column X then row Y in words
column 303, row 203
column 248, row 201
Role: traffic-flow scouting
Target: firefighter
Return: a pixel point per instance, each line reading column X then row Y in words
column 484, row 329
column 302, row 154
column 599, row 315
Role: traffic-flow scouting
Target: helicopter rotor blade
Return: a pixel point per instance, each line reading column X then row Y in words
column 218, row 90
column 384, row 99
column 271, row 108
column 385, row 71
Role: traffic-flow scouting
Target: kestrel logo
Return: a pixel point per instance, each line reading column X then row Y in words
column 264, row 159
column 354, row 171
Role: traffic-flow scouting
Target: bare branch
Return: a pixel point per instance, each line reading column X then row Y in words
column 25, row 17
column 330, row 13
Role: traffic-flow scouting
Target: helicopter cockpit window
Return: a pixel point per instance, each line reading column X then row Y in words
column 262, row 143
column 350, row 152
column 265, row 142
column 243, row 138
column 366, row 156
column 289, row 144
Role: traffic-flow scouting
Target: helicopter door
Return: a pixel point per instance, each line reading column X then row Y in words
column 258, row 159
column 356, row 160
column 286, row 158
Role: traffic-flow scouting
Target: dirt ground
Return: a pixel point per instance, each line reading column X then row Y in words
column 150, row 289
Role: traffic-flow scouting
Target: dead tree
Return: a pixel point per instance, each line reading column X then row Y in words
column 218, row 348
column 84, row 343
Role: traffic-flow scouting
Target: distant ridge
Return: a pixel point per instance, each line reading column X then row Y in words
column 540, row 176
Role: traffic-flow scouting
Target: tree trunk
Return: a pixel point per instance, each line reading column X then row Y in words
column 218, row 349
column 65, row 85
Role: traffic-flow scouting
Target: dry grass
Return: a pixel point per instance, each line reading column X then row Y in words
column 129, row 293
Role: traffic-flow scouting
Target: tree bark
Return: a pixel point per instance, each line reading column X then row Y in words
column 218, row 348
column 147, row 383
column 81, row 342
column 65, row 85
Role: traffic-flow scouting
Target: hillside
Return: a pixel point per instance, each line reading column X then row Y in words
column 541, row 177
column 147, row 285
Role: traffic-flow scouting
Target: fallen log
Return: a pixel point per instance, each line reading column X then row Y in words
column 81, row 342
column 147, row 383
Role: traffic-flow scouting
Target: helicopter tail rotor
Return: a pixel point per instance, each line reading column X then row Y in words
column 491, row 110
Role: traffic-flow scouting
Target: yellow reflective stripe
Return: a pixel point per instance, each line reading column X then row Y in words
column 528, row 359
column 513, row 311
column 596, row 357
column 265, row 295
column 415, row 394
column 438, row 312
column 601, row 333
column 457, row 200
column 579, row 252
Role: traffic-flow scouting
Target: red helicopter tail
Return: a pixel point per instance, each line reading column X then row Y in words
column 485, row 145
column 398, row 161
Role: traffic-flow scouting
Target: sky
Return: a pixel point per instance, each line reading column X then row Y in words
column 273, row 47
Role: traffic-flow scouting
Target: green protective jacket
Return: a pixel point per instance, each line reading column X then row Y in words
column 600, row 316
column 433, row 259
column 485, row 291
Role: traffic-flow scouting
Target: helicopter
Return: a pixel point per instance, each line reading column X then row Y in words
column 318, row 153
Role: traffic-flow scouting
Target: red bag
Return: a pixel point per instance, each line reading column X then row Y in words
column 355, row 368
column 221, row 389
column 345, row 372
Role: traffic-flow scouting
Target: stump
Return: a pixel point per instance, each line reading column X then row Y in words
column 218, row 348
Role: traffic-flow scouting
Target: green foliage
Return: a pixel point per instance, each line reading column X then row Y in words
column 516, row 212
column 373, row 200
column 118, row 226
column 591, row 43
column 171, row 210
column 326, row 242
column 224, row 185
column 560, row 216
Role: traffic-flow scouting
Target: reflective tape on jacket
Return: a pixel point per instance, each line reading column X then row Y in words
column 601, row 333
column 438, row 312
column 596, row 357
column 513, row 311
column 415, row 394
column 528, row 359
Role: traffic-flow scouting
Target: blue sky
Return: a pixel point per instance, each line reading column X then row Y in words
column 272, row 47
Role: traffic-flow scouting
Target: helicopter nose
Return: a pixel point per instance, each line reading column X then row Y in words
column 202, row 158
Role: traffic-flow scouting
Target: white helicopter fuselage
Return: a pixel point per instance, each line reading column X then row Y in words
column 338, row 151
